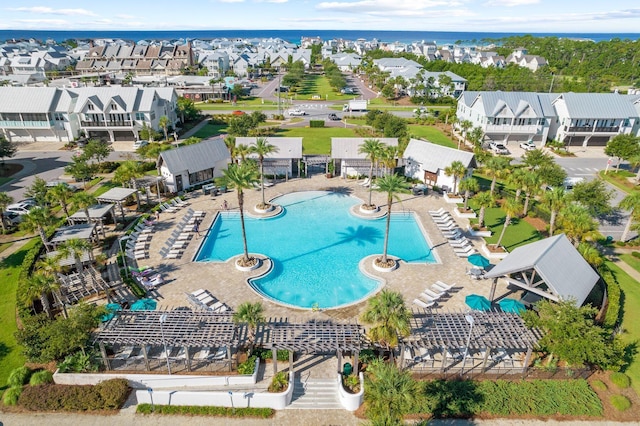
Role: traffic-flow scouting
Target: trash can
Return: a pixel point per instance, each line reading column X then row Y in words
column 609, row 239
column 347, row 369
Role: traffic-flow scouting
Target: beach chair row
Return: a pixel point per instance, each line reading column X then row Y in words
column 462, row 246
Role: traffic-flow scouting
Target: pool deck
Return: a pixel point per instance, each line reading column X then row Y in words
column 229, row 285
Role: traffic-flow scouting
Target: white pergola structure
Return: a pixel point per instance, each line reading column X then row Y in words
column 117, row 196
column 97, row 214
column 83, row 231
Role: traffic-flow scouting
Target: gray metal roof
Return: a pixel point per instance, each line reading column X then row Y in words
column 349, row 148
column 434, row 157
column 96, row 211
column 288, row 148
column 196, row 157
column 517, row 102
column 116, row 194
column 598, row 105
column 82, row 231
column 28, row 99
column 563, row 269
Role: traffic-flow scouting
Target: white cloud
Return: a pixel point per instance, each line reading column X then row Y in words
column 231, row 1
column 583, row 17
column 43, row 23
column 510, row 3
column 277, row 1
column 368, row 6
column 50, row 11
column 125, row 16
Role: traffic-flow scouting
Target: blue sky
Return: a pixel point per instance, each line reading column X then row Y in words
column 420, row 15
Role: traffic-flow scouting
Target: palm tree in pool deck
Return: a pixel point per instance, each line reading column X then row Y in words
column 5, row 200
column 468, row 185
column 392, row 185
column 457, row 170
column 632, row 203
column 262, row 148
column 75, row 248
column 484, row 200
column 36, row 221
column 372, row 148
column 388, row 157
column 230, row 142
column 241, row 176
column 511, row 208
column 389, row 317
column 39, row 286
column 251, row 314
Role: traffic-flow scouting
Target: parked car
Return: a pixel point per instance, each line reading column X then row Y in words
column 528, row 146
column 334, row 117
column 53, row 183
column 347, row 91
column 296, row 112
column 238, row 113
column 11, row 218
column 140, row 144
column 20, row 208
column 421, row 110
column 499, row 148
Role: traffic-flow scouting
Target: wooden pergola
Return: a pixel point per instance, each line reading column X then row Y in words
column 117, row 196
column 314, row 160
column 177, row 328
column 484, row 331
column 313, row 336
column 78, row 286
column 97, row 213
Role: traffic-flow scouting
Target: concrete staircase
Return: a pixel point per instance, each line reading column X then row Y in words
column 315, row 394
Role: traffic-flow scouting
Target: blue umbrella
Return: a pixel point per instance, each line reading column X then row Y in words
column 512, row 305
column 477, row 302
column 478, row 260
column 111, row 311
column 144, row 305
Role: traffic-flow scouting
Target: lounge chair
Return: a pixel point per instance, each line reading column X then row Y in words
column 443, row 219
column 465, row 253
column 464, row 250
column 461, row 246
column 433, row 294
column 448, row 224
column 437, row 212
column 423, row 304
column 444, row 286
column 438, row 290
column 365, row 182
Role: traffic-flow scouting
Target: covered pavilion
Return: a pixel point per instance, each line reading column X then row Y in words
column 117, row 196
column 83, row 231
column 97, row 213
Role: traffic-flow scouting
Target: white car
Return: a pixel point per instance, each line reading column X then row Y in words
column 528, row 146
column 296, row 112
column 140, row 144
column 20, row 208
column 499, row 148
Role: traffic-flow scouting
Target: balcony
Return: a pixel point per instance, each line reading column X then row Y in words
column 590, row 129
column 106, row 123
column 513, row 129
column 25, row 124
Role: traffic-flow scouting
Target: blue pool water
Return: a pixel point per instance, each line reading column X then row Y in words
column 315, row 245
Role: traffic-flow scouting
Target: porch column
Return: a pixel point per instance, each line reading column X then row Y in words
column 355, row 361
column 103, row 352
column 586, row 141
column 291, row 361
column 403, row 348
column 339, row 354
column 486, row 358
column 188, row 358
column 145, row 353
column 444, row 359
column 229, row 357
column 274, row 359
column 492, row 294
column 527, row 359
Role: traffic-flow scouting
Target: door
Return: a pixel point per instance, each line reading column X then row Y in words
column 179, row 183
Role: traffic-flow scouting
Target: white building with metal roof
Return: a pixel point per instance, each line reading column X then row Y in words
column 281, row 162
column 551, row 268
column 350, row 162
column 427, row 162
column 192, row 165
column 49, row 114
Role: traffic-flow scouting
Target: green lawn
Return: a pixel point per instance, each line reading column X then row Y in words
column 634, row 262
column 518, row 233
column 630, row 301
column 619, row 180
column 210, row 130
column 432, row 134
column 316, row 87
column 10, row 355
column 317, row 140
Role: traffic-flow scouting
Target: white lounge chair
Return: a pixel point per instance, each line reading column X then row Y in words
column 443, row 219
column 365, row 182
column 437, row 212
column 433, row 294
column 423, row 304
column 444, row 286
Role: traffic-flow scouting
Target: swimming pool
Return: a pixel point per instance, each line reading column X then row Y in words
column 316, row 246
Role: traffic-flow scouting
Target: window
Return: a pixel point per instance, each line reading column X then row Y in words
column 201, row 176
column 58, row 116
column 114, row 105
column 153, row 115
column 140, row 116
column 90, row 107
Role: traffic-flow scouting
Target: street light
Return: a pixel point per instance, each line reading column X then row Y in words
column 163, row 318
column 124, row 256
column 471, row 321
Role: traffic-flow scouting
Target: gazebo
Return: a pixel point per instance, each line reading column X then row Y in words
column 117, row 196
column 83, row 231
column 78, row 286
column 97, row 213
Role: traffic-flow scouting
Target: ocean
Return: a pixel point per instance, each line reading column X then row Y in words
column 294, row 36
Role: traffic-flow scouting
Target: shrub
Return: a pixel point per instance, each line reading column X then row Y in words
column 352, row 383
column 599, row 385
column 107, row 395
column 12, row 395
column 248, row 366
column 262, row 413
column 621, row 380
column 107, row 166
column 113, row 392
column 613, row 300
column 279, row 382
column 316, row 123
column 620, row 402
column 367, row 355
column 41, row 377
column 281, row 354
column 19, row 376
column 635, row 254
column 78, row 363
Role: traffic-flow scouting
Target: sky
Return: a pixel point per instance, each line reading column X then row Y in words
column 554, row 16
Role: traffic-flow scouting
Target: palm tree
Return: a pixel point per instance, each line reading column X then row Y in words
column 511, row 208
column 391, row 393
column 242, row 151
column 163, row 122
column 5, row 200
column 465, row 125
column 518, row 178
column 36, row 221
column 555, row 200
column 75, row 247
column 82, row 201
column 372, row 148
column 591, row 255
column 631, row 203
column 62, row 194
column 230, row 142
column 49, row 265
column 532, row 185
column 578, row 224
column 388, row 157
column 128, row 172
column 497, row 167
column 392, row 185
column 389, row 317
column 241, row 176
column 457, row 170
column 484, row 200
column 251, row 314
column 262, row 148
column 469, row 185
column 39, row 286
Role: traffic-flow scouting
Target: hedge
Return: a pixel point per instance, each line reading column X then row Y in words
column 612, row 316
column 108, row 395
column 316, row 123
column 621, row 380
column 620, row 402
column 261, row 413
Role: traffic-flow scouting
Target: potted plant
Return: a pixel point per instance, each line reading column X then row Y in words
column 279, row 382
column 351, row 383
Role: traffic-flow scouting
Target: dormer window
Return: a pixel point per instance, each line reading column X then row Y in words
column 114, row 105
column 90, row 107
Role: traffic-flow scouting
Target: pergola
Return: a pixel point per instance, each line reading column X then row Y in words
column 314, row 160
column 274, row 166
column 310, row 337
column 77, row 286
column 147, row 182
column 97, row 213
column 177, row 328
column 117, row 196
column 84, row 231
column 487, row 331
